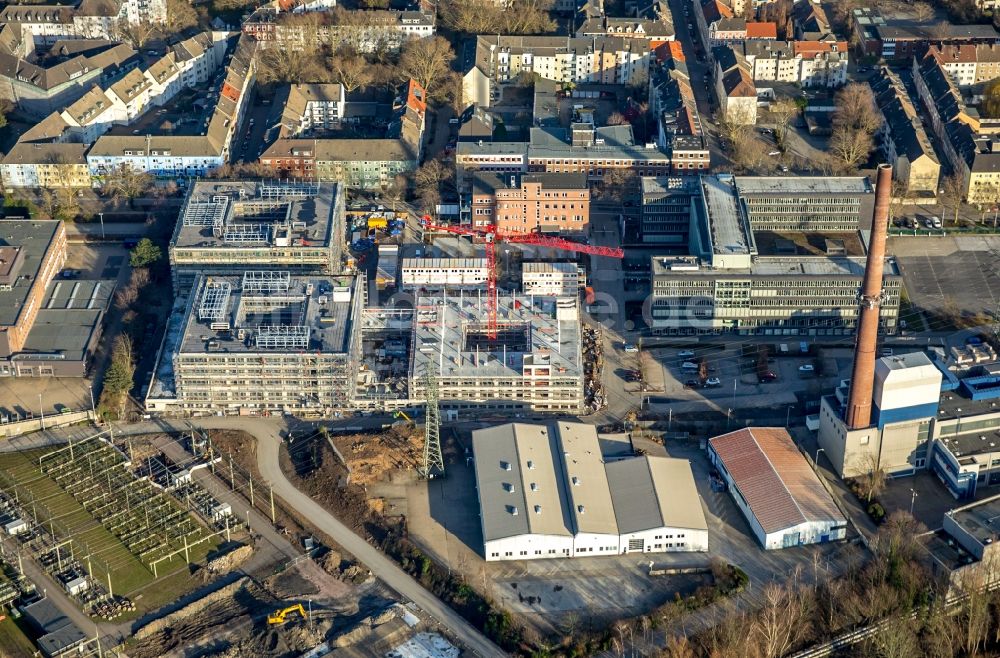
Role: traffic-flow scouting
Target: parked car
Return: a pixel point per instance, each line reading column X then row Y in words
column 935, row 222
column 692, row 383
column 885, row 351
column 685, row 353
column 766, row 376
column 808, row 367
column 629, row 347
column 689, row 365
column 713, row 382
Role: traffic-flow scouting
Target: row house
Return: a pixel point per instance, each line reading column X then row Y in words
column 734, row 86
column 902, row 138
column 679, row 128
column 974, row 156
column 968, row 64
column 44, row 24
column 367, row 31
column 599, row 59
column 808, row 63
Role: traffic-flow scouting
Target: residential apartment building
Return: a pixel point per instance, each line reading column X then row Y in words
column 975, row 156
column 527, row 203
column 549, row 279
column 263, row 341
column 598, row 59
column 808, row 63
column 48, row 165
column 902, row 40
column 679, row 129
column 364, row 30
column 746, row 280
column 902, row 138
column 734, row 86
column 657, row 32
column 230, row 226
column 302, row 150
column 968, row 64
column 185, row 155
column 44, row 24
column 37, row 89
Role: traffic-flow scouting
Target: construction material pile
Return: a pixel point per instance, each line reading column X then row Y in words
column 371, row 457
column 593, row 364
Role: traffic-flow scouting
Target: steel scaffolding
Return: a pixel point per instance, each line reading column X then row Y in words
column 433, row 457
column 246, row 233
column 215, row 300
column 271, row 190
column 283, row 336
column 206, row 213
column 255, row 281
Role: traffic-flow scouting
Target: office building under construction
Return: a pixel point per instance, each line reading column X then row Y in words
column 263, row 341
column 533, row 363
column 226, row 227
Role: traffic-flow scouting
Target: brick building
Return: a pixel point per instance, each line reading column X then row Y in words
column 522, row 203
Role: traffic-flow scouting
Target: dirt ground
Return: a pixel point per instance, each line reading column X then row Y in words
column 371, row 458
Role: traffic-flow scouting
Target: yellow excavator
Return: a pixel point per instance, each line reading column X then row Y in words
column 399, row 413
column 279, row 616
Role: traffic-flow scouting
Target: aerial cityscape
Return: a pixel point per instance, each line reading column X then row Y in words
column 483, row 328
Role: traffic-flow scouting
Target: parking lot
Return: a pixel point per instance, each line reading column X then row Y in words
column 943, row 273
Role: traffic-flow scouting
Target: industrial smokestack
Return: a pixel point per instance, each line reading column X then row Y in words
column 859, row 402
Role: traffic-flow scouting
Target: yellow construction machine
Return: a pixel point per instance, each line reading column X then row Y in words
column 400, row 414
column 279, row 616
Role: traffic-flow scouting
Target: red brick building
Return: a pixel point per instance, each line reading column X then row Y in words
column 524, row 203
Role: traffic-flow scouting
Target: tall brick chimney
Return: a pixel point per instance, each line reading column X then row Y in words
column 859, row 402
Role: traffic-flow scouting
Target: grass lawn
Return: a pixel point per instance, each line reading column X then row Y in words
column 127, row 572
column 13, row 642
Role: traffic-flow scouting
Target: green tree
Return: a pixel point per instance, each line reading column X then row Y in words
column 144, row 254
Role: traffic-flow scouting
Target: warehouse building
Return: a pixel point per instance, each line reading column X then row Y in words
column 263, row 341
column 533, row 363
column 778, row 492
column 227, row 227
column 546, row 491
column 738, row 279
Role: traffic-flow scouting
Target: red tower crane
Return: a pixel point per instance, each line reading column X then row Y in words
column 491, row 236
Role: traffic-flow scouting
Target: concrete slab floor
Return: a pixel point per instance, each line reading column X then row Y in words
column 20, row 395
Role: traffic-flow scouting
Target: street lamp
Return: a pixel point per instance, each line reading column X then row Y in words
column 913, row 498
column 788, row 416
column 101, row 216
column 816, row 458
column 41, row 409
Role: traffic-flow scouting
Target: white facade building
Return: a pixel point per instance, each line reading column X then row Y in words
column 550, row 279
column 468, row 273
column 547, row 491
column 778, row 492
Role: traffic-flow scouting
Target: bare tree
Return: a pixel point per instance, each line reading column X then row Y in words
column 952, row 194
column 291, row 64
column 783, row 620
column 350, row 69
column 874, row 477
column 489, row 17
column 923, row 11
column 126, row 182
column 426, row 60
column 135, row 33
column 894, row 640
column 181, row 15
column 784, row 111
column 851, row 147
column 617, row 119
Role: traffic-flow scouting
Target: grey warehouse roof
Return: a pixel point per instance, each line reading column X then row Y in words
column 804, row 185
column 33, row 239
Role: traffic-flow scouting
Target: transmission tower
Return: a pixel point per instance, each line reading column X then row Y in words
column 433, row 459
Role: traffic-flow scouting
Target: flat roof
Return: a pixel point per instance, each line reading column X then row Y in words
column 250, row 214
column 675, row 502
column 812, row 243
column 444, row 320
column 804, row 185
column 780, row 488
column 32, row 238
column 981, row 520
column 669, row 184
column 729, row 228
column 294, row 314
column 68, row 317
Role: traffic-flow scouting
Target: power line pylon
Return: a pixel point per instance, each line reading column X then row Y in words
column 433, row 458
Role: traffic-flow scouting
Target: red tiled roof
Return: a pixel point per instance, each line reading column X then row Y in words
column 809, row 49
column 762, row 30
column 778, row 484
column 676, row 50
